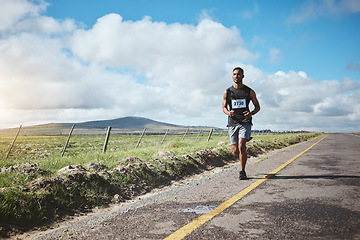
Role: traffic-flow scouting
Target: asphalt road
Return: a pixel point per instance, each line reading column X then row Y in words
column 315, row 196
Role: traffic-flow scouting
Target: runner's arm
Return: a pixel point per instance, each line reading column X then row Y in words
column 224, row 106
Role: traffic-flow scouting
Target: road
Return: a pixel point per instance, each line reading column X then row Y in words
column 312, row 194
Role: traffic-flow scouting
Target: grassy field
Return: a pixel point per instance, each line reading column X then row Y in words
column 32, row 190
column 46, row 150
column 86, row 148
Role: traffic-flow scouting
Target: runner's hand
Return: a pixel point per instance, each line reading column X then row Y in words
column 247, row 114
column 231, row 113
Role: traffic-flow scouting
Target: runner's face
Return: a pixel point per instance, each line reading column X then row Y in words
column 237, row 76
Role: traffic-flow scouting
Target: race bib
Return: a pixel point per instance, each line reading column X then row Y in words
column 238, row 103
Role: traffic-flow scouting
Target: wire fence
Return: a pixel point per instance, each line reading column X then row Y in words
column 121, row 139
column 30, row 141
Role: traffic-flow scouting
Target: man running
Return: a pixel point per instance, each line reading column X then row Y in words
column 236, row 101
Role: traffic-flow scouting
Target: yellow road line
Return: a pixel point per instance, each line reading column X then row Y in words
column 190, row 227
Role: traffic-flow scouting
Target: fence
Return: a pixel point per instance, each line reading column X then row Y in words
column 193, row 135
column 186, row 135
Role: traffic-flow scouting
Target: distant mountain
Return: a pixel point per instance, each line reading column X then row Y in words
column 119, row 125
column 127, row 123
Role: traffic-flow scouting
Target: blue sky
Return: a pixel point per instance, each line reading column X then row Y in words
column 71, row 61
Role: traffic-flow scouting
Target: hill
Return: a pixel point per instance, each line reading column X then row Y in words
column 127, row 123
column 119, row 126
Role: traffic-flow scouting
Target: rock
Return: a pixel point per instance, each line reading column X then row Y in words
column 131, row 160
column 116, row 198
column 72, row 168
column 165, row 154
column 95, row 166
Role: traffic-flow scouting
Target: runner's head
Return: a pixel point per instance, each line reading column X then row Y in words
column 238, row 75
column 240, row 69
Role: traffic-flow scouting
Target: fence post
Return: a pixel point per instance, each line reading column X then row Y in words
column 140, row 138
column 185, row 134
column 198, row 135
column 67, row 142
column 12, row 144
column 210, row 134
column 165, row 136
column 107, row 138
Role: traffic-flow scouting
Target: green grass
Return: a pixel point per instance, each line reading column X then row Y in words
column 85, row 191
column 46, row 151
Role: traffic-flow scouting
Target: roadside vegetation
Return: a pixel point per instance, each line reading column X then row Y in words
column 38, row 186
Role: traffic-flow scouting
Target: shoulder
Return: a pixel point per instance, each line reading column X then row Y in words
column 227, row 92
column 229, row 89
column 253, row 94
column 248, row 88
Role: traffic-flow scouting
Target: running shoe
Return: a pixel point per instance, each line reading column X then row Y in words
column 242, row 175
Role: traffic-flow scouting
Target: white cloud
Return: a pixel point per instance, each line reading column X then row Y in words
column 99, row 68
column 249, row 14
column 257, row 41
column 15, row 10
column 148, row 45
column 293, row 100
column 275, row 56
column 351, row 5
column 353, row 66
column 184, row 60
column 207, row 14
column 45, row 25
column 313, row 9
column 53, row 71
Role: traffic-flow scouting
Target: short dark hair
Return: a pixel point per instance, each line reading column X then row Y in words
column 239, row 68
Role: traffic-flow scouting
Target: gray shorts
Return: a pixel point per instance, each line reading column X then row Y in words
column 239, row 131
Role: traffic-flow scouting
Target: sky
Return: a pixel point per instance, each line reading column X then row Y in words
column 65, row 61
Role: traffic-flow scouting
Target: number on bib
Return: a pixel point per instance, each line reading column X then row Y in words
column 238, row 103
